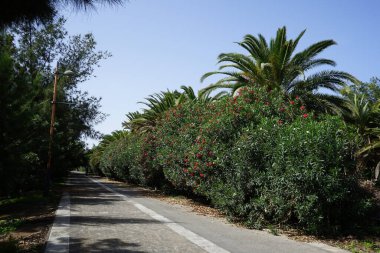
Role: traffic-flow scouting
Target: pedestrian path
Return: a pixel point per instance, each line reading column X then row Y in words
column 96, row 217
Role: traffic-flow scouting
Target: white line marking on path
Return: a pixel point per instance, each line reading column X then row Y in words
column 189, row 235
column 59, row 239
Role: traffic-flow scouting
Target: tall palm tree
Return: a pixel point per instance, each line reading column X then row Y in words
column 276, row 65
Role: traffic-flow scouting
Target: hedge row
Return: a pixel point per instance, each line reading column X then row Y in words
column 260, row 157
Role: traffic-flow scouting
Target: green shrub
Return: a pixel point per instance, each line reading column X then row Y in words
column 297, row 173
column 262, row 159
column 131, row 158
column 9, row 225
column 193, row 140
column 120, row 159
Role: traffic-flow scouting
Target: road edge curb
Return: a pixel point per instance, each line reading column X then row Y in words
column 59, row 239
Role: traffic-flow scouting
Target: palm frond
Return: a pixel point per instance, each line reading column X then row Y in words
column 324, row 103
column 312, row 51
column 218, row 85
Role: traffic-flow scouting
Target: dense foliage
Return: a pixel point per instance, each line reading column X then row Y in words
column 27, row 57
column 261, row 157
column 273, row 150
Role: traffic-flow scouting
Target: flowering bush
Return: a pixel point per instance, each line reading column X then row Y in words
column 260, row 157
column 194, row 138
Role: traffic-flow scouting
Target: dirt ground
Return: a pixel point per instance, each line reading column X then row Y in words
column 36, row 215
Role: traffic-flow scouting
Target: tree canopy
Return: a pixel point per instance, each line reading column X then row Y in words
column 18, row 11
column 28, row 55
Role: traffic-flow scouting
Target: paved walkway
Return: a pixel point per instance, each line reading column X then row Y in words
column 96, row 217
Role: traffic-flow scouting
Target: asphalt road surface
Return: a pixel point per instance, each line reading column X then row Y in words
column 98, row 217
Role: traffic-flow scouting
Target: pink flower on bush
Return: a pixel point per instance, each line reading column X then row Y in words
column 202, row 175
column 185, row 170
column 305, row 115
column 302, row 108
column 209, row 164
column 292, row 102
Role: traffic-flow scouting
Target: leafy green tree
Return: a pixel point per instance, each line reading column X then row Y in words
column 276, row 65
column 26, row 90
column 18, row 117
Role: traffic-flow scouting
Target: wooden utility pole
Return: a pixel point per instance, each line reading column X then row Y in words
column 51, row 134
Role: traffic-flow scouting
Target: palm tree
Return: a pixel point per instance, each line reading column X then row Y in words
column 371, row 151
column 363, row 112
column 14, row 11
column 277, row 66
column 157, row 104
column 202, row 96
column 371, row 129
column 109, row 138
column 359, row 112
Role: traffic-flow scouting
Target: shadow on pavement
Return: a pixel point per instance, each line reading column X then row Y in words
column 96, row 220
column 85, row 192
column 98, row 200
column 79, row 245
column 90, row 193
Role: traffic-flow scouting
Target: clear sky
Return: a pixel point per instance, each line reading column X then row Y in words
column 163, row 44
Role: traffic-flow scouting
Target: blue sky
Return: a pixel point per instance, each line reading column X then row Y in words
column 163, row 44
